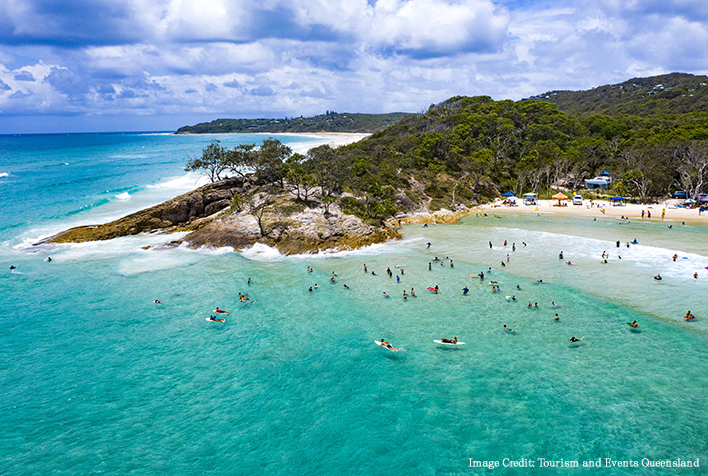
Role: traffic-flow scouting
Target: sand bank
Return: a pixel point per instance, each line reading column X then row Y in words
column 633, row 211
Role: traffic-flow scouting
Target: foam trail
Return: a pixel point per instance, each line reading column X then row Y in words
column 261, row 252
column 4, row 174
column 125, row 196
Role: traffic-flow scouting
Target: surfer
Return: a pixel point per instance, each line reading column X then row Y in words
column 658, row 277
column 574, row 339
column 49, row 258
column 243, row 298
column 513, row 298
column 633, row 324
column 221, row 311
column 212, row 318
column 481, row 275
column 449, row 341
column 436, row 289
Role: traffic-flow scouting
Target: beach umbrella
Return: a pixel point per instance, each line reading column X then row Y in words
column 496, row 200
column 508, row 194
column 559, row 196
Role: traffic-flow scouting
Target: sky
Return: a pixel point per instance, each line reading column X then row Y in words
column 156, row 65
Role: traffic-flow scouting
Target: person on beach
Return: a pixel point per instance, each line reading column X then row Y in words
column 648, row 213
column 502, row 263
column 642, row 213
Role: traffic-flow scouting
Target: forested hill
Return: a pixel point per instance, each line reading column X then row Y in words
column 675, row 93
column 329, row 122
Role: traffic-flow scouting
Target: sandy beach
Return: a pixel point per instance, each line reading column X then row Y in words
column 334, row 139
column 604, row 208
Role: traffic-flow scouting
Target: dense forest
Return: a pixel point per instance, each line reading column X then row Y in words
column 329, row 122
column 469, row 149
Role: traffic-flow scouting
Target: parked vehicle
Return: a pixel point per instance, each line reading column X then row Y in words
column 680, row 194
column 578, row 200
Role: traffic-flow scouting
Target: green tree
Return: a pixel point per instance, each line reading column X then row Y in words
column 212, row 162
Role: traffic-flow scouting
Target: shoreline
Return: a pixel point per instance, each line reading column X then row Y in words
column 631, row 210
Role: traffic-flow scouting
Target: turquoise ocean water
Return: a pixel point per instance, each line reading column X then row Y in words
column 96, row 379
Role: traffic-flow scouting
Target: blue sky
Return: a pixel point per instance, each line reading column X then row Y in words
column 122, row 65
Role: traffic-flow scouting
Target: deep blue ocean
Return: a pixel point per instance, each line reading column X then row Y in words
column 98, row 379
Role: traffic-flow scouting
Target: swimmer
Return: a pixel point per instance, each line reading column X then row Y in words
column 553, row 303
column 158, row 302
column 345, row 286
column 633, row 324
column 428, row 244
column 560, row 256
column 317, row 286
column 670, row 227
column 310, row 289
column 365, row 268
column 373, row 274
column 530, row 305
column 331, row 280
column 695, row 275
column 570, row 263
column 556, row 318
column 535, row 305
column 573, row 339
column 689, row 315
column 405, row 296
column 13, row 267
column 398, row 279
column 517, row 287
column 658, row 277
column 509, row 329
column 465, row 290
column 430, row 266
column 49, row 258
column 539, row 281
column 333, row 274
column 513, row 298
column 249, row 281
column 412, row 292
column 385, row 295
column 675, row 257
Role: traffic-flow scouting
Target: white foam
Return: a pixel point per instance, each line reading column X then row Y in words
column 4, row 174
column 261, row 252
column 391, row 246
column 188, row 181
column 123, row 196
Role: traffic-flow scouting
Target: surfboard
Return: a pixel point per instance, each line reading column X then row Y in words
column 448, row 343
column 221, row 312
column 494, row 283
column 218, row 320
column 474, row 275
column 432, row 289
column 248, row 301
column 392, row 349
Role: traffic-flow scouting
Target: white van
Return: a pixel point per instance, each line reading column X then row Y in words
column 578, row 200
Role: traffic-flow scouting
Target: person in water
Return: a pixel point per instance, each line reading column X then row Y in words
column 508, row 329
column 513, row 298
column 12, row 267
column 465, row 290
column 560, row 255
column 332, row 279
column 405, row 296
column 49, row 258
column 373, row 274
column 384, row 294
column 249, row 281
column 212, row 318
column 310, row 289
column 570, row 263
column 156, row 301
column 398, row 279
column 365, row 268
column 556, row 318
column 428, row 244
column 517, row 287
column 695, row 275
column 345, row 286
column 658, row 277
column 535, row 305
column 436, row 288
column 430, row 266
column 412, row 292
column 481, row 275
column 452, row 265
column 689, row 315
column 634, row 324
column 573, row 339
column 317, row 286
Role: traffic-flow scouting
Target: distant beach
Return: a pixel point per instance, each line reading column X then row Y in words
column 603, row 208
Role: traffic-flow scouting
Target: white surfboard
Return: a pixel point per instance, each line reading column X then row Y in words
column 448, row 343
column 218, row 320
column 392, row 349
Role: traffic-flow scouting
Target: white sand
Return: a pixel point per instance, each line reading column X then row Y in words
column 633, row 211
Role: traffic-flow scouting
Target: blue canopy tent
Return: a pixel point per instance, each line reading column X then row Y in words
column 508, row 194
column 530, row 198
column 618, row 201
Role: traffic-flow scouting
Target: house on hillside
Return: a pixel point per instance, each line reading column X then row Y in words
column 601, row 182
